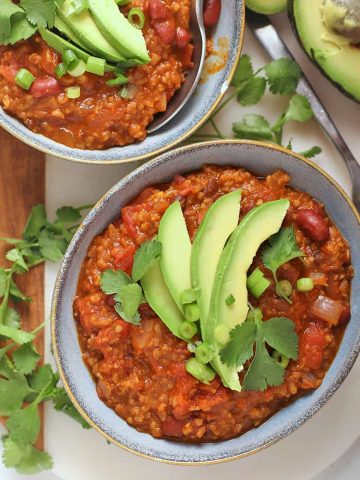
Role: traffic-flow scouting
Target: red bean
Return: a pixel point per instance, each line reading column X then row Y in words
column 345, row 316
column 313, row 225
column 183, row 37
column 212, row 10
column 167, row 31
column 45, row 87
column 158, row 10
column 110, row 300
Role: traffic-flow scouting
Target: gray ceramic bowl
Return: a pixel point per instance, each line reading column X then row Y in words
column 205, row 99
column 260, row 159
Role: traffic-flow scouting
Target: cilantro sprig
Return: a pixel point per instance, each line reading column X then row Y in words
column 24, row 385
column 128, row 294
column 278, row 333
column 281, row 77
column 281, row 248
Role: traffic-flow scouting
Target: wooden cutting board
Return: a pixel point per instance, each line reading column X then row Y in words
column 22, row 185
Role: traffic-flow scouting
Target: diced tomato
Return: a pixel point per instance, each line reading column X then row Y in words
column 45, row 87
column 127, row 214
column 186, row 56
column 312, row 344
column 125, row 260
column 172, row 427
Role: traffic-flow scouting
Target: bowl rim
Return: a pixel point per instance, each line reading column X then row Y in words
column 29, row 140
column 346, row 366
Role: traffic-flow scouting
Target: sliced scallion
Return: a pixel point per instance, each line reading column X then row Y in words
column 201, row 372
column 96, row 65
column 60, row 70
column 305, row 284
column 230, row 300
column 192, row 312
column 137, row 18
column 187, row 330
column 79, row 70
column 73, row 92
column 280, row 359
column 204, row 353
column 124, row 92
column 118, row 80
column 260, row 287
column 254, row 277
column 284, row 288
column 24, row 78
column 70, row 60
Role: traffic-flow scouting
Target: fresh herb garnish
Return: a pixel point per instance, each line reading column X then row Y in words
column 128, row 294
column 281, row 248
column 22, row 381
column 40, row 13
column 278, row 332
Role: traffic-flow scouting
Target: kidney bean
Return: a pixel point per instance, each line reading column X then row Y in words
column 212, row 10
column 158, row 10
column 167, row 31
column 45, row 87
column 313, row 225
column 110, row 300
column 345, row 316
column 183, row 37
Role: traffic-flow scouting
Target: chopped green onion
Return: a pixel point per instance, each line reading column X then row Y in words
column 280, row 359
column 253, row 279
column 305, row 284
column 24, row 78
column 79, row 70
column 190, row 295
column 259, row 288
column 60, row 70
column 118, row 80
column 255, row 312
column 73, row 92
column 187, row 330
column 221, row 334
column 284, row 288
column 137, row 18
column 124, row 92
column 230, row 300
column 201, row 372
column 96, row 65
column 204, row 353
column 70, row 60
column 192, row 312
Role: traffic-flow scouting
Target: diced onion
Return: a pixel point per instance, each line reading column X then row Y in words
column 327, row 310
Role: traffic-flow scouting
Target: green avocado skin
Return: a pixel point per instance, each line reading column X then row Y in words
column 115, row 27
column 59, row 44
column 231, row 276
column 267, row 7
column 336, row 58
column 83, row 27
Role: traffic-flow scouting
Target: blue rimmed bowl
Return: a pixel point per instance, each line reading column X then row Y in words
column 229, row 32
column 260, row 159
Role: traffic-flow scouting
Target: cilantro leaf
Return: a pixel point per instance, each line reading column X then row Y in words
column 19, row 336
column 135, row 320
column 244, row 71
column 43, row 377
column 15, row 256
column 281, row 248
column 251, row 91
column 145, row 257
column 3, row 282
column 25, row 458
column 68, row 215
column 299, row 109
column 129, row 297
column 283, row 76
column 311, row 152
column 13, row 391
column 240, row 347
column 9, row 13
column 253, row 127
column 16, row 293
column 40, row 13
column 36, row 221
column 280, row 334
column 51, row 248
column 26, row 358
column 12, row 318
column 113, row 280
column 24, row 425
column 263, row 371
column 62, row 403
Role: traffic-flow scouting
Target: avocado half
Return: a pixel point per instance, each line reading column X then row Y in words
column 267, row 7
column 335, row 55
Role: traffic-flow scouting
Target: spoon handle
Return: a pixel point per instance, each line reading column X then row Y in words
column 275, row 47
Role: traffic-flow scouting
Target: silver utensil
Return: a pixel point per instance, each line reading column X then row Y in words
column 275, row 47
column 181, row 97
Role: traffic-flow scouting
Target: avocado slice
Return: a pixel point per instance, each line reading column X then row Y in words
column 160, row 300
column 65, row 30
column 231, row 276
column 176, row 252
column 59, row 44
column 218, row 224
column 85, row 29
column 116, row 28
column 267, row 7
column 334, row 54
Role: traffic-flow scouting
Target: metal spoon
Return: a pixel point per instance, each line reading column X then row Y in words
column 181, row 97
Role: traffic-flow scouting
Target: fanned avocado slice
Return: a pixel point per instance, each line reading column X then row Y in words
column 231, row 276
column 65, row 30
column 83, row 27
column 218, row 224
column 116, row 28
column 267, row 7
column 59, row 44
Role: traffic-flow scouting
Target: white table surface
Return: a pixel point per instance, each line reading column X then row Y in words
column 328, row 446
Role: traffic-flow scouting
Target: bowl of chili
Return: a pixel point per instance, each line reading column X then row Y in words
column 136, row 381
column 53, row 100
